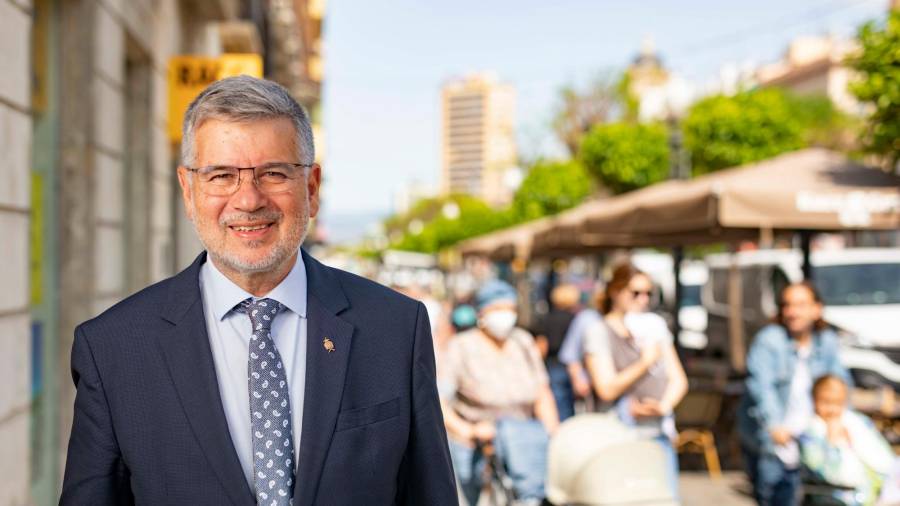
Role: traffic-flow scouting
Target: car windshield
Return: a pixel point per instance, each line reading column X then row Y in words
column 690, row 295
column 858, row 284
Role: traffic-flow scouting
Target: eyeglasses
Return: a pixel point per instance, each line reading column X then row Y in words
column 270, row 178
column 638, row 293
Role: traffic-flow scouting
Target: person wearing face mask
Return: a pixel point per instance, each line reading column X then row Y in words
column 495, row 390
column 631, row 359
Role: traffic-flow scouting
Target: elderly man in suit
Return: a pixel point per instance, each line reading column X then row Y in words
column 257, row 375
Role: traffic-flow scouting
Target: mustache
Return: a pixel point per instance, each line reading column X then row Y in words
column 261, row 215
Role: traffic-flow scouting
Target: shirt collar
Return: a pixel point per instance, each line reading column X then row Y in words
column 291, row 292
column 223, row 294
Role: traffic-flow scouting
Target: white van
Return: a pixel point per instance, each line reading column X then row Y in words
column 692, row 315
column 860, row 288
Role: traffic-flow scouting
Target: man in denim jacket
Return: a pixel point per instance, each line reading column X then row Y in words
column 784, row 359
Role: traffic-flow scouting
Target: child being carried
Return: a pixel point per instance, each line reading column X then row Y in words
column 842, row 447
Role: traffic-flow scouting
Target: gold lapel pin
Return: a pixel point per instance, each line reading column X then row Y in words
column 328, row 344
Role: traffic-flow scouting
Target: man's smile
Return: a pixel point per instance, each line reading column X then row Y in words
column 251, row 230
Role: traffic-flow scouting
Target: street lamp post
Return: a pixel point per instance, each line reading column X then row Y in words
column 679, row 168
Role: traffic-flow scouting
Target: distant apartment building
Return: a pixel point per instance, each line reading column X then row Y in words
column 478, row 138
column 814, row 66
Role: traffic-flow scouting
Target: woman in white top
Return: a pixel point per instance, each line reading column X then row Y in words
column 631, row 359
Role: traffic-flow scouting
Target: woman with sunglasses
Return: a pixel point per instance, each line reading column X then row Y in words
column 631, row 359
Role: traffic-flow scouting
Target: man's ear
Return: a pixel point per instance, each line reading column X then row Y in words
column 313, row 183
column 187, row 195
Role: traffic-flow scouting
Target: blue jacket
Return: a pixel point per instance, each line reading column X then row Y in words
column 149, row 427
column 770, row 368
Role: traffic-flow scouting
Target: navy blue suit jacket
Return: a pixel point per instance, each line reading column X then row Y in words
column 149, row 427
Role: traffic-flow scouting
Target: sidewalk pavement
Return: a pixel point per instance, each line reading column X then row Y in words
column 698, row 489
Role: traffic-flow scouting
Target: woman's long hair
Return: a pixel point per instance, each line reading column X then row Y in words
column 621, row 277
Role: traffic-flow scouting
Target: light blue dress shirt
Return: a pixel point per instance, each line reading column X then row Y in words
column 229, row 338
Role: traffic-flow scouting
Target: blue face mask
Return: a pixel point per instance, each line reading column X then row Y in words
column 464, row 316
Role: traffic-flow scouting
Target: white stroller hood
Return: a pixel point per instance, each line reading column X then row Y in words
column 597, row 460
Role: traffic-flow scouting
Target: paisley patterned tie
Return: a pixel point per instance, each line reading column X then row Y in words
column 270, row 408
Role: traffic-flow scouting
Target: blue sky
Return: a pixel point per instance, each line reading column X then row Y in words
column 385, row 63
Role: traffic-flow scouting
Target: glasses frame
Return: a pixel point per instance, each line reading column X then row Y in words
column 240, row 178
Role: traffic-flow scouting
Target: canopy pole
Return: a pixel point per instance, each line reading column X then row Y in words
column 736, row 345
column 552, row 281
column 766, row 238
column 519, row 268
column 805, row 247
column 677, row 258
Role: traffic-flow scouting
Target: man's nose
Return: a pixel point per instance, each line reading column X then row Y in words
column 247, row 197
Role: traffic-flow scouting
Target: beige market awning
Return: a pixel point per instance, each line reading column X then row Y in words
column 505, row 244
column 812, row 189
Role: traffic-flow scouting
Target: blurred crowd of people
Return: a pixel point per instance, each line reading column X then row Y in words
column 506, row 390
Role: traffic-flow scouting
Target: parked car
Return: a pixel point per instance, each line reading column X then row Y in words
column 692, row 315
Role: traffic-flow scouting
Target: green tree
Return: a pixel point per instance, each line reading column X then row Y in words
column 722, row 131
column 625, row 156
column 631, row 105
column 878, row 66
column 422, row 211
column 605, row 99
column 551, row 187
column 823, row 124
column 436, row 223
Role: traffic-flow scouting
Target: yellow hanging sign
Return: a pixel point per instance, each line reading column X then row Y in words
column 189, row 75
column 36, row 239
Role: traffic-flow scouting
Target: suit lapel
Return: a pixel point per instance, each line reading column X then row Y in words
column 189, row 357
column 325, row 372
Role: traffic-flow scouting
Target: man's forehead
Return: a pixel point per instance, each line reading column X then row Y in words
column 216, row 135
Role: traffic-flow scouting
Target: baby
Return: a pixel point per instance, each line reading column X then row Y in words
column 842, row 447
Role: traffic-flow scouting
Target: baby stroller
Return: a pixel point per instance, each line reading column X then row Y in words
column 597, row 460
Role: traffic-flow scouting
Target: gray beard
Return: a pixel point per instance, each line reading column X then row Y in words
column 281, row 252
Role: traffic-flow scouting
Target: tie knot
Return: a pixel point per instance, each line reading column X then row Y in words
column 261, row 311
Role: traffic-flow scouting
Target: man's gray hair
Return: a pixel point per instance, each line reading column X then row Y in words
column 245, row 98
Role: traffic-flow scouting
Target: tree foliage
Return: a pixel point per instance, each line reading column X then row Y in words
column 605, row 99
column 625, row 156
column 436, row 223
column 722, row 131
column 551, row 187
column 726, row 131
column 878, row 66
column 823, row 124
column 428, row 227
